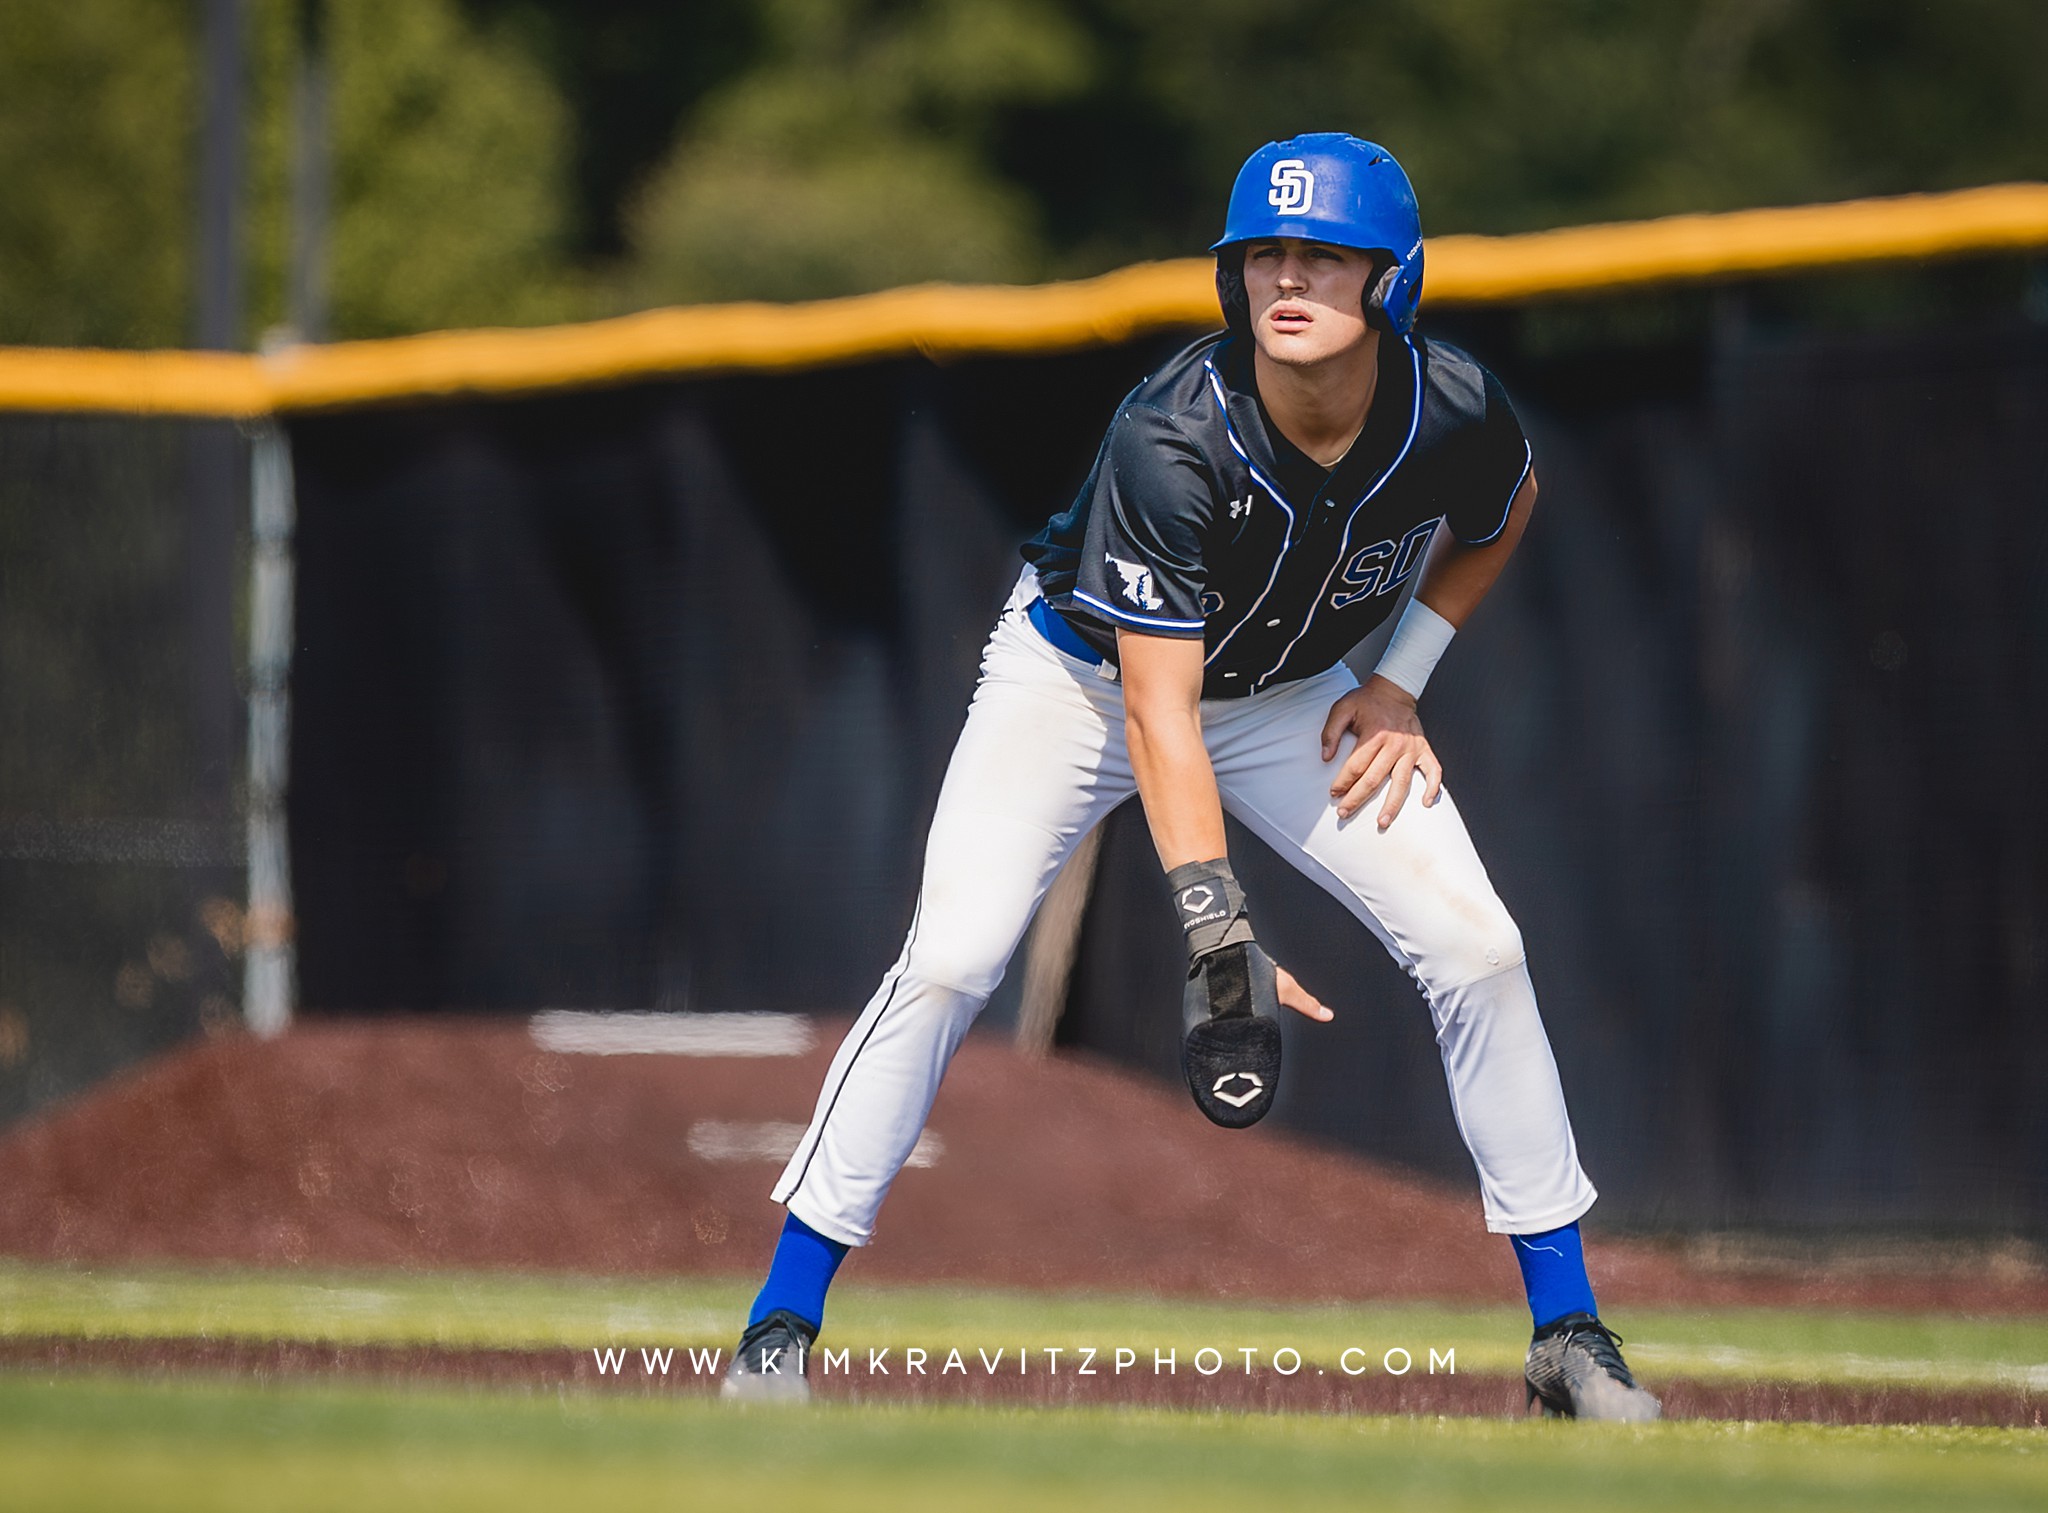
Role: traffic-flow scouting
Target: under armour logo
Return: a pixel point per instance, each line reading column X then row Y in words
column 1241, row 506
column 1254, row 1087
column 1196, row 899
column 1294, row 187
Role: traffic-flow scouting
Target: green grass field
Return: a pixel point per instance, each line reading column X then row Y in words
column 79, row 1440
column 137, row 1446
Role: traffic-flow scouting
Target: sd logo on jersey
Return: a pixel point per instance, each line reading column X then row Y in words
column 1384, row 566
column 1294, row 187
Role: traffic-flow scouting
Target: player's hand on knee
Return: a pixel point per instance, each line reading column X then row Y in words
column 1298, row 998
column 1391, row 749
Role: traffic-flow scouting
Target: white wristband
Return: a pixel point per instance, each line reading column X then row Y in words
column 1412, row 651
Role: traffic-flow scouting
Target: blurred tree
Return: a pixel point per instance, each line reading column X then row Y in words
column 495, row 158
column 873, row 142
column 856, row 154
column 98, row 113
column 632, row 71
column 1517, row 114
column 451, row 155
column 451, row 148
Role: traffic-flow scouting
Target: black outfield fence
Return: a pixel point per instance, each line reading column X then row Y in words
column 121, row 771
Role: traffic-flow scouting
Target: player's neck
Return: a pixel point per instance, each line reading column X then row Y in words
column 1321, row 407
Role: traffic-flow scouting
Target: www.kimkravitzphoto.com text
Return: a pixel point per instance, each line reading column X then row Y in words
column 1047, row 1360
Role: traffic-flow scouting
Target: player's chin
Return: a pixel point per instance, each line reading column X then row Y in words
column 1303, row 346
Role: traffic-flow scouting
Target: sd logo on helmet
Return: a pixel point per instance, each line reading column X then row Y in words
column 1326, row 186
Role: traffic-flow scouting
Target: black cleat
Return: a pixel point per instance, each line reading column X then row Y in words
column 1575, row 1370
column 1230, row 1050
column 772, row 1361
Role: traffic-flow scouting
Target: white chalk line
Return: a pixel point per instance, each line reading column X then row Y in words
column 775, row 1140
column 573, row 1032
column 1790, row 1365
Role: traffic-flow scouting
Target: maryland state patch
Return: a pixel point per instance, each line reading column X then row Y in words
column 1137, row 582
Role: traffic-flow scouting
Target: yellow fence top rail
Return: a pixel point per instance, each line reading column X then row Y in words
column 948, row 320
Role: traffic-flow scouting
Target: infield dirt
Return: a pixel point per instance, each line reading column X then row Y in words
column 462, row 1143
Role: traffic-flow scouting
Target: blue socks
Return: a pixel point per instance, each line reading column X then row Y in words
column 1554, row 1272
column 798, row 1276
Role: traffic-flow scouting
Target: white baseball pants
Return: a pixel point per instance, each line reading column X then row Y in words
column 1042, row 759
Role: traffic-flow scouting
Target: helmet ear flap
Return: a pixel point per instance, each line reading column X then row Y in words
column 1237, row 305
column 1376, row 295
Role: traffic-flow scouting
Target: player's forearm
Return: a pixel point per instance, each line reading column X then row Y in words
column 1162, row 680
column 1457, row 577
column 1176, row 784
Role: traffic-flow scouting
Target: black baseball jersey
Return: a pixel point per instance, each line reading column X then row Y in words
column 1201, row 519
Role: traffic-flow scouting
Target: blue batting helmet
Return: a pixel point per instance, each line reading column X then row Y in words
column 1326, row 186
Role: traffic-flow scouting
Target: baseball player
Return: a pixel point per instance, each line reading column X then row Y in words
column 1258, row 505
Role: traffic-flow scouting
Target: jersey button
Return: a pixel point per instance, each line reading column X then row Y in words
column 1271, row 623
